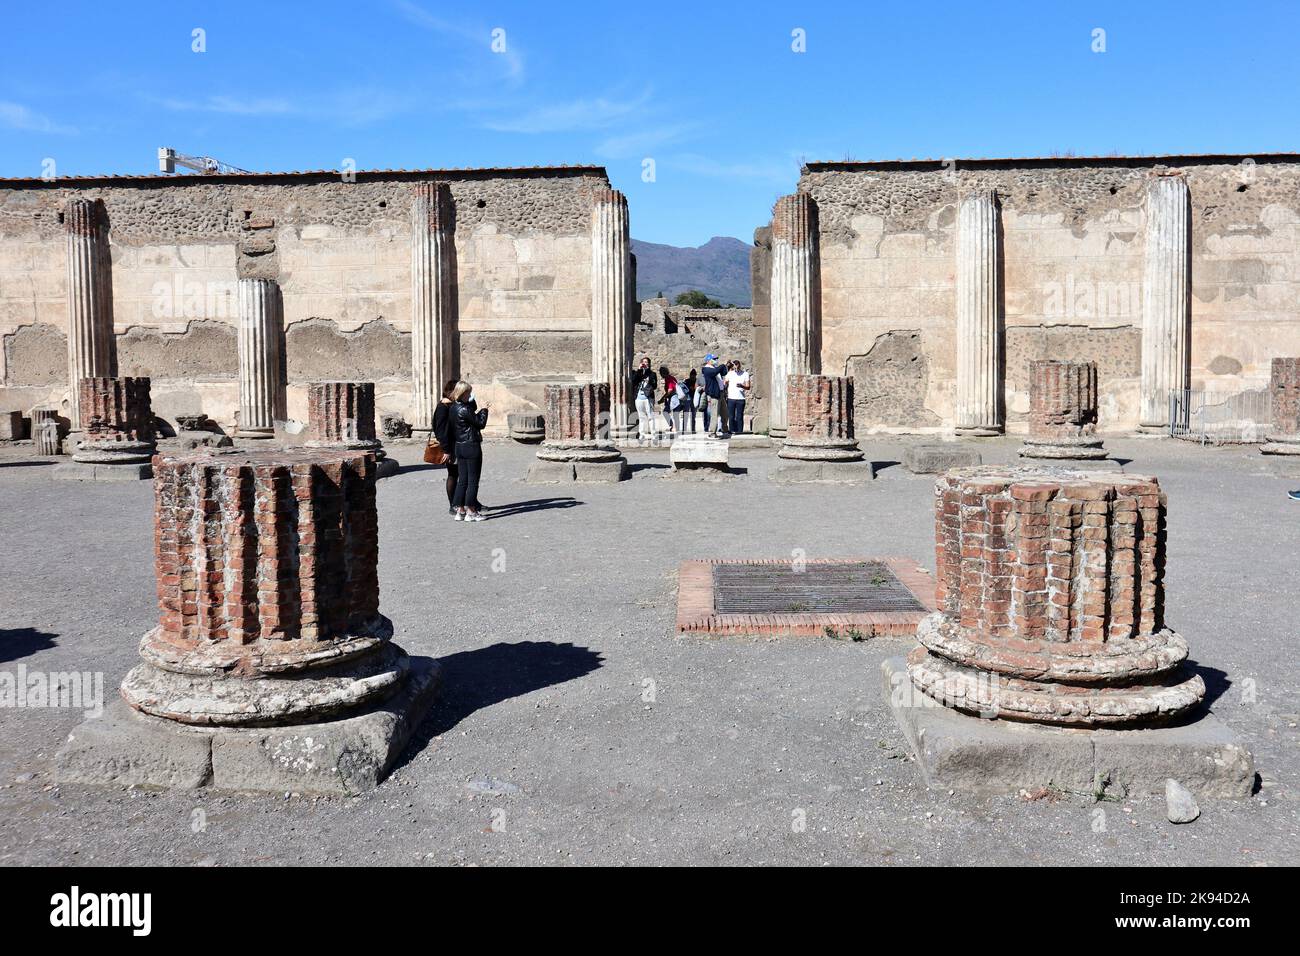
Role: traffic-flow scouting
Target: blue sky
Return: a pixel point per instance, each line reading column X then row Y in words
column 712, row 92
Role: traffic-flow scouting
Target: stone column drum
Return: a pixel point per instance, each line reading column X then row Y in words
column 1063, row 411
column 979, row 317
column 118, row 438
column 46, row 432
column 435, row 306
column 342, row 415
column 269, row 636
column 577, row 445
column 819, row 443
column 1166, row 298
column 795, row 301
column 612, row 294
column 92, row 349
column 1051, row 595
column 1284, row 388
column 261, row 397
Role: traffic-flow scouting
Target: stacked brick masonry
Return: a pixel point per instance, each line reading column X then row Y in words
column 577, row 412
column 341, row 413
column 1285, row 386
column 116, row 408
column 251, row 548
column 1062, row 399
column 819, row 407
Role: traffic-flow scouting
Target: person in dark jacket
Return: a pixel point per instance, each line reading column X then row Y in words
column 468, row 422
column 443, row 431
column 644, row 388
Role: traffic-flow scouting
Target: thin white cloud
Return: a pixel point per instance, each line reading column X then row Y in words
column 644, row 141
column 350, row 107
column 509, row 57
column 233, row 105
column 584, row 114
column 17, row 116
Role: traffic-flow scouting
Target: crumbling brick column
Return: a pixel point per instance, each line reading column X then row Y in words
column 795, row 300
column 1050, row 592
column 578, row 444
column 980, row 404
column 819, row 413
column 1166, row 298
column 435, row 305
column 342, row 415
column 261, row 395
column 1284, row 389
column 92, row 349
column 117, row 422
column 268, row 590
column 613, row 291
column 1063, row 411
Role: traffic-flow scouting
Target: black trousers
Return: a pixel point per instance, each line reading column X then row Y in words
column 452, row 474
column 469, row 465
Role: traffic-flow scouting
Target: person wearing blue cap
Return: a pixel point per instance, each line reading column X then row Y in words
column 713, row 406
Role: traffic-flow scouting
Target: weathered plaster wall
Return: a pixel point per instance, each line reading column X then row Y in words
column 341, row 253
column 1072, row 274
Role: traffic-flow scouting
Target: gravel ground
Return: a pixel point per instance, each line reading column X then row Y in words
column 542, row 749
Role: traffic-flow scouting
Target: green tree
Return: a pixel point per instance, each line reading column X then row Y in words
column 696, row 299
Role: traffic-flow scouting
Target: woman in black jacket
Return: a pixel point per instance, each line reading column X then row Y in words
column 443, row 431
column 468, row 422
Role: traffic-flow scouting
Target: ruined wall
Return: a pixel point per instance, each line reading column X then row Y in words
column 1072, row 238
column 341, row 253
column 680, row 337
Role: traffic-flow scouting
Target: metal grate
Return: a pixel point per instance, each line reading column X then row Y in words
column 848, row 587
column 1217, row 417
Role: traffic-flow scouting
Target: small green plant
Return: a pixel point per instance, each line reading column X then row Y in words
column 798, row 607
column 831, row 632
column 878, row 580
column 855, row 635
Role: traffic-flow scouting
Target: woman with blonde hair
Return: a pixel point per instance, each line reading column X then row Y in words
column 467, row 422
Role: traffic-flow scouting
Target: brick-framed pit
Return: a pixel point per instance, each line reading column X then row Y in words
column 697, row 606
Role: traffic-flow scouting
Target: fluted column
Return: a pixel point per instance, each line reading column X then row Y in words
column 91, row 347
column 1166, row 298
column 435, row 358
column 612, row 294
column 260, row 395
column 979, row 317
column 796, row 313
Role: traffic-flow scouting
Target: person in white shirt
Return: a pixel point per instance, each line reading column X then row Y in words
column 738, row 386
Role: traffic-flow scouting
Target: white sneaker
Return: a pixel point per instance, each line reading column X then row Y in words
column 458, row 516
column 475, row 516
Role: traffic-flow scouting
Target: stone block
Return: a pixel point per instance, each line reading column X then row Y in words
column 602, row 471
column 87, row 471
column 697, row 450
column 932, row 459
column 11, row 426
column 340, row 757
column 550, row 472
column 793, row 472
column 962, row 752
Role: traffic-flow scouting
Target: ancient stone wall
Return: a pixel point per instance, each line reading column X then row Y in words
column 1072, row 242
column 341, row 252
column 679, row 337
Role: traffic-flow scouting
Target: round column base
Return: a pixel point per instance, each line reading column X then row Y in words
column 979, row 431
column 1064, row 449
column 820, row 450
column 110, row 452
column 598, row 450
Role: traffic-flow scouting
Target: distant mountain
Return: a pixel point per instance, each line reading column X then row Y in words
column 719, row 268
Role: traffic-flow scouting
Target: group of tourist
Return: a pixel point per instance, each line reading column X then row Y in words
column 717, row 392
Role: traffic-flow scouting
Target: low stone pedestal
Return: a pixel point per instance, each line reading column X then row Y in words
column 118, row 440
column 1063, row 412
column 938, row 457
column 819, row 443
column 1050, row 591
column 699, row 456
column 526, row 427
column 576, row 447
column 271, row 667
column 199, row 431
column 1284, row 386
column 955, row 751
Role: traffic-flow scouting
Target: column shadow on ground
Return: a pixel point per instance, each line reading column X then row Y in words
column 1217, row 682
column 473, row 680
column 878, row 466
column 24, row 464
column 523, row 507
column 23, row 642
